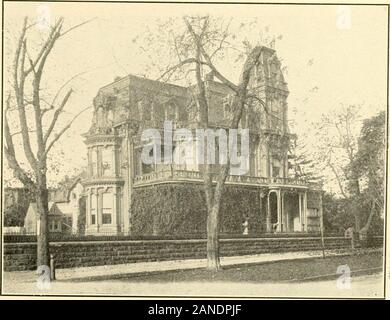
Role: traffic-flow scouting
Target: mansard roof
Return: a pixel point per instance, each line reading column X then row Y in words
column 138, row 82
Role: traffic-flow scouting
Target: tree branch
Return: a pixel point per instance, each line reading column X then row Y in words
column 338, row 179
column 179, row 65
column 33, row 64
column 58, row 135
column 18, row 87
column 55, row 116
column 9, row 151
column 76, row 26
column 198, row 43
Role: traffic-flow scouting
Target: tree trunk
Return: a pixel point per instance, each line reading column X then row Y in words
column 213, row 262
column 357, row 219
column 43, row 256
column 366, row 227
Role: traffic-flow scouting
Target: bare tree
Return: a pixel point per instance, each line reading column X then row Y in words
column 27, row 104
column 195, row 49
column 337, row 136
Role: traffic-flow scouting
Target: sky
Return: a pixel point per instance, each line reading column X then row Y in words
column 332, row 55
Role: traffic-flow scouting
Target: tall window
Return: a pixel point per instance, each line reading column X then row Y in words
column 170, row 112
column 144, row 109
column 107, row 208
column 276, row 168
column 148, row 168
column 93, row 208
column 52, row 225
column 276, row 115
column 93, row 162
column 227, row 112
column 107, row 166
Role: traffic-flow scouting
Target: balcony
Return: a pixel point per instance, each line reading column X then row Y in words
column 196, row 176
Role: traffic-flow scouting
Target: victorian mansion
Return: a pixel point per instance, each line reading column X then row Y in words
column 127, row 196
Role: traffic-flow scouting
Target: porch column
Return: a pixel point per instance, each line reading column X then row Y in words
column 99, row 208
column 268, row 217
column 300, row 211
column 286, row 225
column 279, row 206
column 114, row 208
column 125, row 214
column 305, row 209
column 88, row 209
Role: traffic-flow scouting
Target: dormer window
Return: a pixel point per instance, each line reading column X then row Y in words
column 259, row 72
column 227, row 107
column 144, row 110
column 110, row 117
column 170, row 112
column 100, row 117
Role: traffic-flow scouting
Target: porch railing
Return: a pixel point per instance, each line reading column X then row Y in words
column 184, row 175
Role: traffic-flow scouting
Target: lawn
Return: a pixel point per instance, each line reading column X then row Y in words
column 274, row 271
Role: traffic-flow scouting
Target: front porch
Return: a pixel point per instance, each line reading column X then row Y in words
column 283, row 202
column 286, row 211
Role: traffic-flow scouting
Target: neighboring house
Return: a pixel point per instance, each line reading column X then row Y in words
column 127, row 196
column 57, row 219
column 16, row 202
column 68, row 199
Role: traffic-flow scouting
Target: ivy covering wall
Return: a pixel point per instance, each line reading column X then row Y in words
column 313, row 200
column 180, row 208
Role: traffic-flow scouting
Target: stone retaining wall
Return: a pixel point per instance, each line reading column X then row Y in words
column 22, row 256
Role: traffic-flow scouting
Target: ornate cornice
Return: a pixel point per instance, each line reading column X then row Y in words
column 102, row 181
column 102, row 139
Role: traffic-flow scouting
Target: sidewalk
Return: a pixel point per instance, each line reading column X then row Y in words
column 140, row 268
column 121, row 280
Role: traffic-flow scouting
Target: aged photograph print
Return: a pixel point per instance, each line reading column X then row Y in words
column 194, row 150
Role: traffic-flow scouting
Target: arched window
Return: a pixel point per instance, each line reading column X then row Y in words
column 170, row 112
column 276, row 115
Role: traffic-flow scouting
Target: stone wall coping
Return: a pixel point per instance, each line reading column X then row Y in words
column 92, row 242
